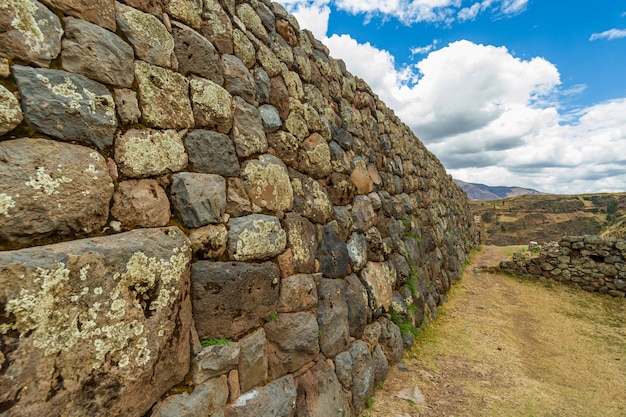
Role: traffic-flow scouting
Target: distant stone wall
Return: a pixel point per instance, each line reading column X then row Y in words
column 202, row 213
column 589, row 262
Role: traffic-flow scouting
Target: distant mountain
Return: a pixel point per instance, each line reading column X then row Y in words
column 486, row 192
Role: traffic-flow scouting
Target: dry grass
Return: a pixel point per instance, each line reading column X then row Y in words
column 506, row 347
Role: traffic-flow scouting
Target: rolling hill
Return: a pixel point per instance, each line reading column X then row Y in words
column 486, row 192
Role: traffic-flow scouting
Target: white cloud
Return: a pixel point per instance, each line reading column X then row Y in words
column 313, row 17
column 513, row 6
column 609, row 35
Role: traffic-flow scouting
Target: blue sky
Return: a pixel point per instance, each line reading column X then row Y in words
column 529, row 93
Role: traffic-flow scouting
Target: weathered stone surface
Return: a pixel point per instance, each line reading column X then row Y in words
column 310, row 198
column 230, row 298
column 148, row 152
column 127, row 106
column 51, row 188
column 106, row 320
column 362, row 375
column 217, row 27
column 302, row 240
column 315, row 159
column 357, row 251
column 244, row 48
column 29, row 31
column 271, row 118
column 96, row 53
column 359, row 314
column 339, row 188
column 297, row 293
column 360, row 177
column 297, row 126
column 211, row 105
column 379, row 279
column 285, row 146
column 267, row 16
column 255, row 237
column 376, row 247
column 281, row 49
column 154, row 7
column 279, row 96
column 343, row 369
column 198, row 199
column 215, row 360
column 248, row 132
column 10, row 111
column 262, row 81
column 332, row 318
column 206, row 399
column 67, row 106
column 163, row 97
column 209, row 242
column 188, row 11
column 253, row 363
column 212, row 153
column 149, row 37
column 141, row 203
column 267, row 183
column 363, row 213
column 276, row 399
column 390, row 340
column 238, row 81
column 102, row 13
column 237, row 202
column 253, row 22
column 196, row 55
column 320, row 394
column 333, row 255
column 344, row 222
column 381, row 365
column 292, row 342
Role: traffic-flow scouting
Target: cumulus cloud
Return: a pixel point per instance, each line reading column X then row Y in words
column 609, row 35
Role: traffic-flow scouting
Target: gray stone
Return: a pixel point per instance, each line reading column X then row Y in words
column 217, row 26
column 29, row 31
column 362, row 375
column 332, row 318
column 381, row 365
column 262, row 81
column 102, row 13
column 67, row 106
column 51, row 188
column 357, row 251
column 206, row 399
column 390, row 340
column 271, row 118
column 149, row 37
column 255, row 237
column 620, row 284
column 320, row 394
column 281, row 49
column 343, row 369
column 96, row 53
column 379, row 279
column 198, row 199
column 163, row 97
column 302, row 240
column 110, row 314
column 231, row 298
column 356, row 298
column 10, row 111
column 237, row 79
column 333, row 255
column 149, row 152
column 248, row 132
column 212, row 153
column 267, row 17
column 196, row 55
column 141, row 203
column 212, row 105
column 310, row 198
column 297, row 293
column 127, row 106
column 215, row 360
column 267, row 183
column 363, row 213
column 276, row 399
column 292, row 342
column 253, row 364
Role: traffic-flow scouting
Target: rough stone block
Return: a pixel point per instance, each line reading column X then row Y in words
column 379, row 279
column 362, row 375
column 255, row 237
column 196, row 55
column 212, row 153
column 211, row 105
column 238, row 81
column 297, row 293
column 332, row 318
column 102, row 12
column 207, row 399
column 320, row 394
column 215, row 360
column 248, row 132
column 10, row 111
column 198, row 199
column 267, row 183
column 333, row 255
column 141, row 203
column 253, row 365
column 149, row 152
column 276, row 399
column 310, row 198
column 302, row 240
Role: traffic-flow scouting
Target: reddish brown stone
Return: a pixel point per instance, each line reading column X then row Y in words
column 141, row 203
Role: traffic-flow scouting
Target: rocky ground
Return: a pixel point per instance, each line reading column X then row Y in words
column 506, row 347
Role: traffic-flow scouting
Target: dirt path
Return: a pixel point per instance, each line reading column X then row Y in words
column 507, row 347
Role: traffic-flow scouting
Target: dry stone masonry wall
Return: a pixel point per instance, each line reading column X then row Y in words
column 590, row 262
column 203, row 213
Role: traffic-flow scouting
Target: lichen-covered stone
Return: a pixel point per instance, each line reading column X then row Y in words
column 244, row 48
column 217, row 26
column 253, row 365
column 10, row 111
column 248, row 132
column 255, row 237
column 67, row 106
column 196, row 55
column 237, row 201
column 262, row 81
column 268, row 60
column 285, row 146
column 107, row 320
column 281, row 49
column 302, row 240
column 51, row 188
column 149, row 37
column 379, row 279
column 253, row 22
column 276, row 399
column 163, row 97
column 188, row 11
column 296, row 125
column 209, row 242
column 316, row 156
column 29, row 31
column 267, row 182
column 357, row 251
column 211, row 105
column 141, row 203
column 198, row 199
column 214, row 360
column 231, row 298
column 148, row 152
column 212, row 153
column 310, row 198
column 96, row 53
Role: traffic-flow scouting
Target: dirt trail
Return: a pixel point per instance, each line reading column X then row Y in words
column 507, row 347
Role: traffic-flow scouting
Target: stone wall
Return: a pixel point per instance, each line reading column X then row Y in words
column 589, row 262
column 202, row 213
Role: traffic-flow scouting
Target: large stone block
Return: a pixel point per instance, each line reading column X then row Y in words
column 196, row 55
column 188, row 11
column 51, row 188
column 102, row 325
column 29, row 31
column 267, row 183
column 297, row 293
column 255, row 237
column 332, row 318
column 248, row 132
column 141, row 203
column 230, row 298
column 320, row 394
column 359, row 314
column 149, row 152
column 302, row 240
column 207, row 399
column 379, row 280
column 310, row 198
column 102, row 12
column 362, row 375
column 212, row 153
column 333, row 255
column 10, row 111
column 67, row 106
column 253, row 365
column 217, row 26
column 212, row 105
column 276, row 399
column 237, row 79
column 198, row 199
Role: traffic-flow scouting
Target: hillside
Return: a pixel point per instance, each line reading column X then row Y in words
column 486, row 192
column 547, row 217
